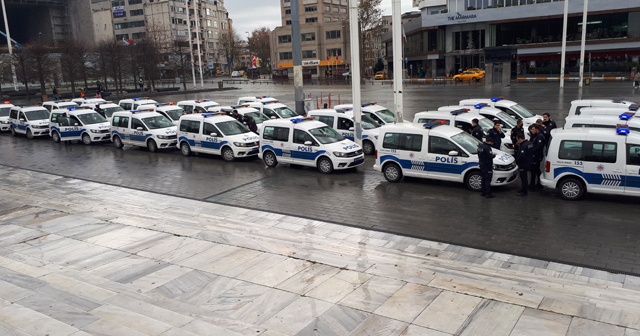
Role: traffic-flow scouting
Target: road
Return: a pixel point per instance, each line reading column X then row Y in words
column 599, row 232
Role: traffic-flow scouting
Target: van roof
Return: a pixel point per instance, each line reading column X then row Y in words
column 442, row 130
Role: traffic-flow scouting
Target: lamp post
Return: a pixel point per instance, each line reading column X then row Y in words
column 6, row 29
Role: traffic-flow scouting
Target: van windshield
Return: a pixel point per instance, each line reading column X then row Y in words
column 466, row 141
column 285, row 112
column 326, row 135
column 232, row 128
column 175, row 113
column 522, row 111
column 157, row 122
column 386, row 116
column 509, row 121
column 37, row 115
column 108, row 112
column 91, row 118
column 368, row 122
column 486, row 124
column 4, row 112
column 257, row 117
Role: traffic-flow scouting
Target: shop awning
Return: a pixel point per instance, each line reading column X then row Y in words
column 322, row 63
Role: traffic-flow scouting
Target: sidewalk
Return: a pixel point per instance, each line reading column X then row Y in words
column 83, row 258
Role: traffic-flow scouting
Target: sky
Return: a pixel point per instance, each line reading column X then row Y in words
column 248, row 15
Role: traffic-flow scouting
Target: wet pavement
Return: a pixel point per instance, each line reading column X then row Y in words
column 599, row 232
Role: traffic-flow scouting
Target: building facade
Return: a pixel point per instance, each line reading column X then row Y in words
column 373, row 50
column 324, row 38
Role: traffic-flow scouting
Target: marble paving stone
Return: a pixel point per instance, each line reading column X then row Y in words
column 408, row 302
column 158, row 278
column 68, row 298
column 234, row 298
column 272, row 333
column 308, row 279
column 6, row 329
column 254, row 266
column 339, row 286
column 150, row 310
column 448, row 312
column 264, row 307
column 57, row 310
column 280, row 272
column 21, row 280
column 230, row 261
column 492, row 318
column 80, row 333
column 131, row 319
column 127, row 269
column 175, row 254
column 337, row 321
column 415, row 330
column 80, row 288
column 581, row 327
column 22, row 268
column 535, row 322
column 208, row 256
column 121, row 237
column 32, row 322
column 104, row 327
column 12, row 293
column 53, row 223
column 561, row 305
column 177, row 332
column 296, row 316
column 203, row 328
column 98, row 260
column 372, row 293
column 376, row 325
column 401, row 272
column 631, row 332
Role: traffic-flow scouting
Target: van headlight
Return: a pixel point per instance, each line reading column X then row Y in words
column 95, row 131
column 339, row 154
column 163, row 137
column 240, row 144
column 4, row 121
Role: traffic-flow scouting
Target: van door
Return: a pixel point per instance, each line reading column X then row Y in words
column 22, row 123
column 138, row 131
column 345, row 126
column 210, row 143
column 302, row 153
column 440, row 164
column 632, row 175
column 276, row 139
column 604, row 164
column 120, row 127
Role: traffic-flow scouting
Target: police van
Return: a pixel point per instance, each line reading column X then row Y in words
column 216, row 133
column 610, row 111
column 31, row 121
column 491, row 113
column 78, row 124
column 5, row 109
column 439, row 152
column 245, row 110
column 171, row 111
column 199, row 106
column 461, row 118
column 604, row 121
column 515, row 110
column 54, row 105
column 307, row 142
column 344, row 124
column 256, row 99
column 143, row 128
column 86, row 101
column 595, row 160
column 104, row 109
column 135, row 103
column 578, row 105
column 379, row 113
column 274, row 110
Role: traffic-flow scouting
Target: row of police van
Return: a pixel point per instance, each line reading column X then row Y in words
column 597, row 151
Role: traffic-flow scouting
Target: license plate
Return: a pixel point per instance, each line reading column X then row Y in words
column 358, row 160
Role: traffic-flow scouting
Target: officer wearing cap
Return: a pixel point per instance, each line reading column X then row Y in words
column 485, row 157
column 476, row 131
column 524, row 156
column 538, row 142
column 495, row 134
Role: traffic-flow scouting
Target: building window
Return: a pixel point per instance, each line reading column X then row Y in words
column 327, row 8
column 215, row 24
column 116, row 3
column 311, row 20
column 126, row 25
column 209, row 34
column 136, row 12
column 208, row 23
column 343, row 10
column 180, row 32
column 138, row 36
column 334, row 52
column 284, row 39
column 135, row 2
column 288, row 22
column 309, row 54
column 287, row 12
column 311, row 9
column 333, row 34
column 208, row 11
column 335, row 9
column 286, row 55
column 327, row 19
column 122, row 37
column 308, row 37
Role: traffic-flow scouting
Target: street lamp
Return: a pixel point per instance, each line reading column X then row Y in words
column 8, row 36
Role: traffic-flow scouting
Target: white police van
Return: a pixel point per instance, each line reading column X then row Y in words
column 595, row 160
column 216, row 133
column 344, row 124
column 31, row 121
column 143, row 128
column 491, row 113
column 604, row 121
column 257, row 99
column 309, row 143
column 274, row 110
column 5, row 109
column 104, row 109
column 199, row 106
column 439, row 152
column 245, row 110
column 510, row 107
column 379, row 113
column 578, row 105
column 54, row 105
column 171, row 111
column 610, row 111
column 135, row 103
column 78, row 124
column 88, row 101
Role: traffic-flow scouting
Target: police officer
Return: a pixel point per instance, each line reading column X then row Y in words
column 519, row 129
column 236, row 115
column 524, row 156
column 251, row 124
column 485, row 156
column 495, row 134
column 549, row 125
column 538, row 142
column 476, row 131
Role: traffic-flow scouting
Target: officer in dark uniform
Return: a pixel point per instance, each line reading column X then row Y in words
column 496, row 134
column 251, row 124
column 524, row 156
column 485, row 156
column 549, row 125
column 476, row 131
column 538, row 142
column 519, row 129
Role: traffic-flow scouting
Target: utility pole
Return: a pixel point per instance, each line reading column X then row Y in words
column 563, row 53
column 297, row 56
column 355, row 69
column 584, row 39
column 193, row 64
column 8, row 36
column 197, row 15
column 397, row 59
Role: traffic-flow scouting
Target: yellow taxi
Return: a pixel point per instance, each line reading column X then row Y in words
column 468, row 75
column 482, row 71
column 380, row 75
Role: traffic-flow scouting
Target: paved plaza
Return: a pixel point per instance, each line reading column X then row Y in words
column 85, row 258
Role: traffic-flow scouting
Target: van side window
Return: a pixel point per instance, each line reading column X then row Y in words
column 633, row 155
column 208, row 129
column 276, row 133
column 21, row 116
column 300, row 137
column 344, row 124
column 119, row 121
column 135, row 123
column 403, row 141
column 190, row 126
column 270, row 113
column 326, row 119
column 442, row 146
column 592, row 151
column 13, row 114
column 578, row 108
column 126, row 106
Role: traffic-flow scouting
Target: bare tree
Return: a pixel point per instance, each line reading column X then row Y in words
column 24, row 70
column 370, row 17
column 230, row 46
column 180, row 60
column 115, row 57
column 73, row 56
column 42, row 60
column 259, row 45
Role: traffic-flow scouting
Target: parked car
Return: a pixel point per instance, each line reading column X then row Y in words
column 235, row 74
column 468, row 75
column 380, row 75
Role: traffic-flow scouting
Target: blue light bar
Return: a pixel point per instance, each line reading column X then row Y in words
column 207, row 115
column 633, row 107
column 71, row 108
column 136, row 99
column 134, row 111
column 296, row 120
column 368, row 104
column 432, row 125
column 459, row 111
column 236, row 106
column 480, row 105
column 495, row 99
column 627, row 115
column 622, row 129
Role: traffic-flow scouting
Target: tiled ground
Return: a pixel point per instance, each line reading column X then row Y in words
column 83, row 258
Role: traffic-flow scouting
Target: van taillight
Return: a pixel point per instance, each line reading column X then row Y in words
column 547, row 167
column 376, row 155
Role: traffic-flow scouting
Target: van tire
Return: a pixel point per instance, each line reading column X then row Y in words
column 55, row 136
column 227, row 154
column 368, row 148
column 152, row 146
column 269, row 159
column 185, row 148
column 29, row 134
column 392, row 172
column 571, row 189
column 325, row 165
column 86, row 139
column 117, row 141
column 13, row 131
column 473, row 180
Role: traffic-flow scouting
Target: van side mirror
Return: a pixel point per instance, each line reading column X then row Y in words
column 75, row 124
column 351, row 129
column 139, row 128
column 454, row 153
column 308, row 143
column 214, row 134
column 22, row 119
column 272, row 117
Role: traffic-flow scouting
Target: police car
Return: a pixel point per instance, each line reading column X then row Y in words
column 32, row 121
column 216, row 134
column 309, row 143
column 610, row 111
column 245, row 110
column 171, row 111
column 344, row 124
column 135, row 103
column 5, row 109
column 256, row 99
column 515, row 110
column 439, row 152
column 604, row 161
column 274, row 110
column 379, row 113
column 54, row 105
column 105, row 109
column 78, row 124
column 143, row 128
column 604, row 121
column 199, row 106
column 578, row 105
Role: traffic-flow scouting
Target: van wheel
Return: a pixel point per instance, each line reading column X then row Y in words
column 269, row 159
column 571, row 189
column 227, row 154
column 185, row 149
column 325, row 166
column 13, row 131
column 152, row 146
column 473, row 181
column 392, row 172
column 86, row 139
column 29, row 134
column 117, row 142
column 368, row 148
column 56, row 137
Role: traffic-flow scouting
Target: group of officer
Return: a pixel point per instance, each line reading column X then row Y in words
column 529, row 153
